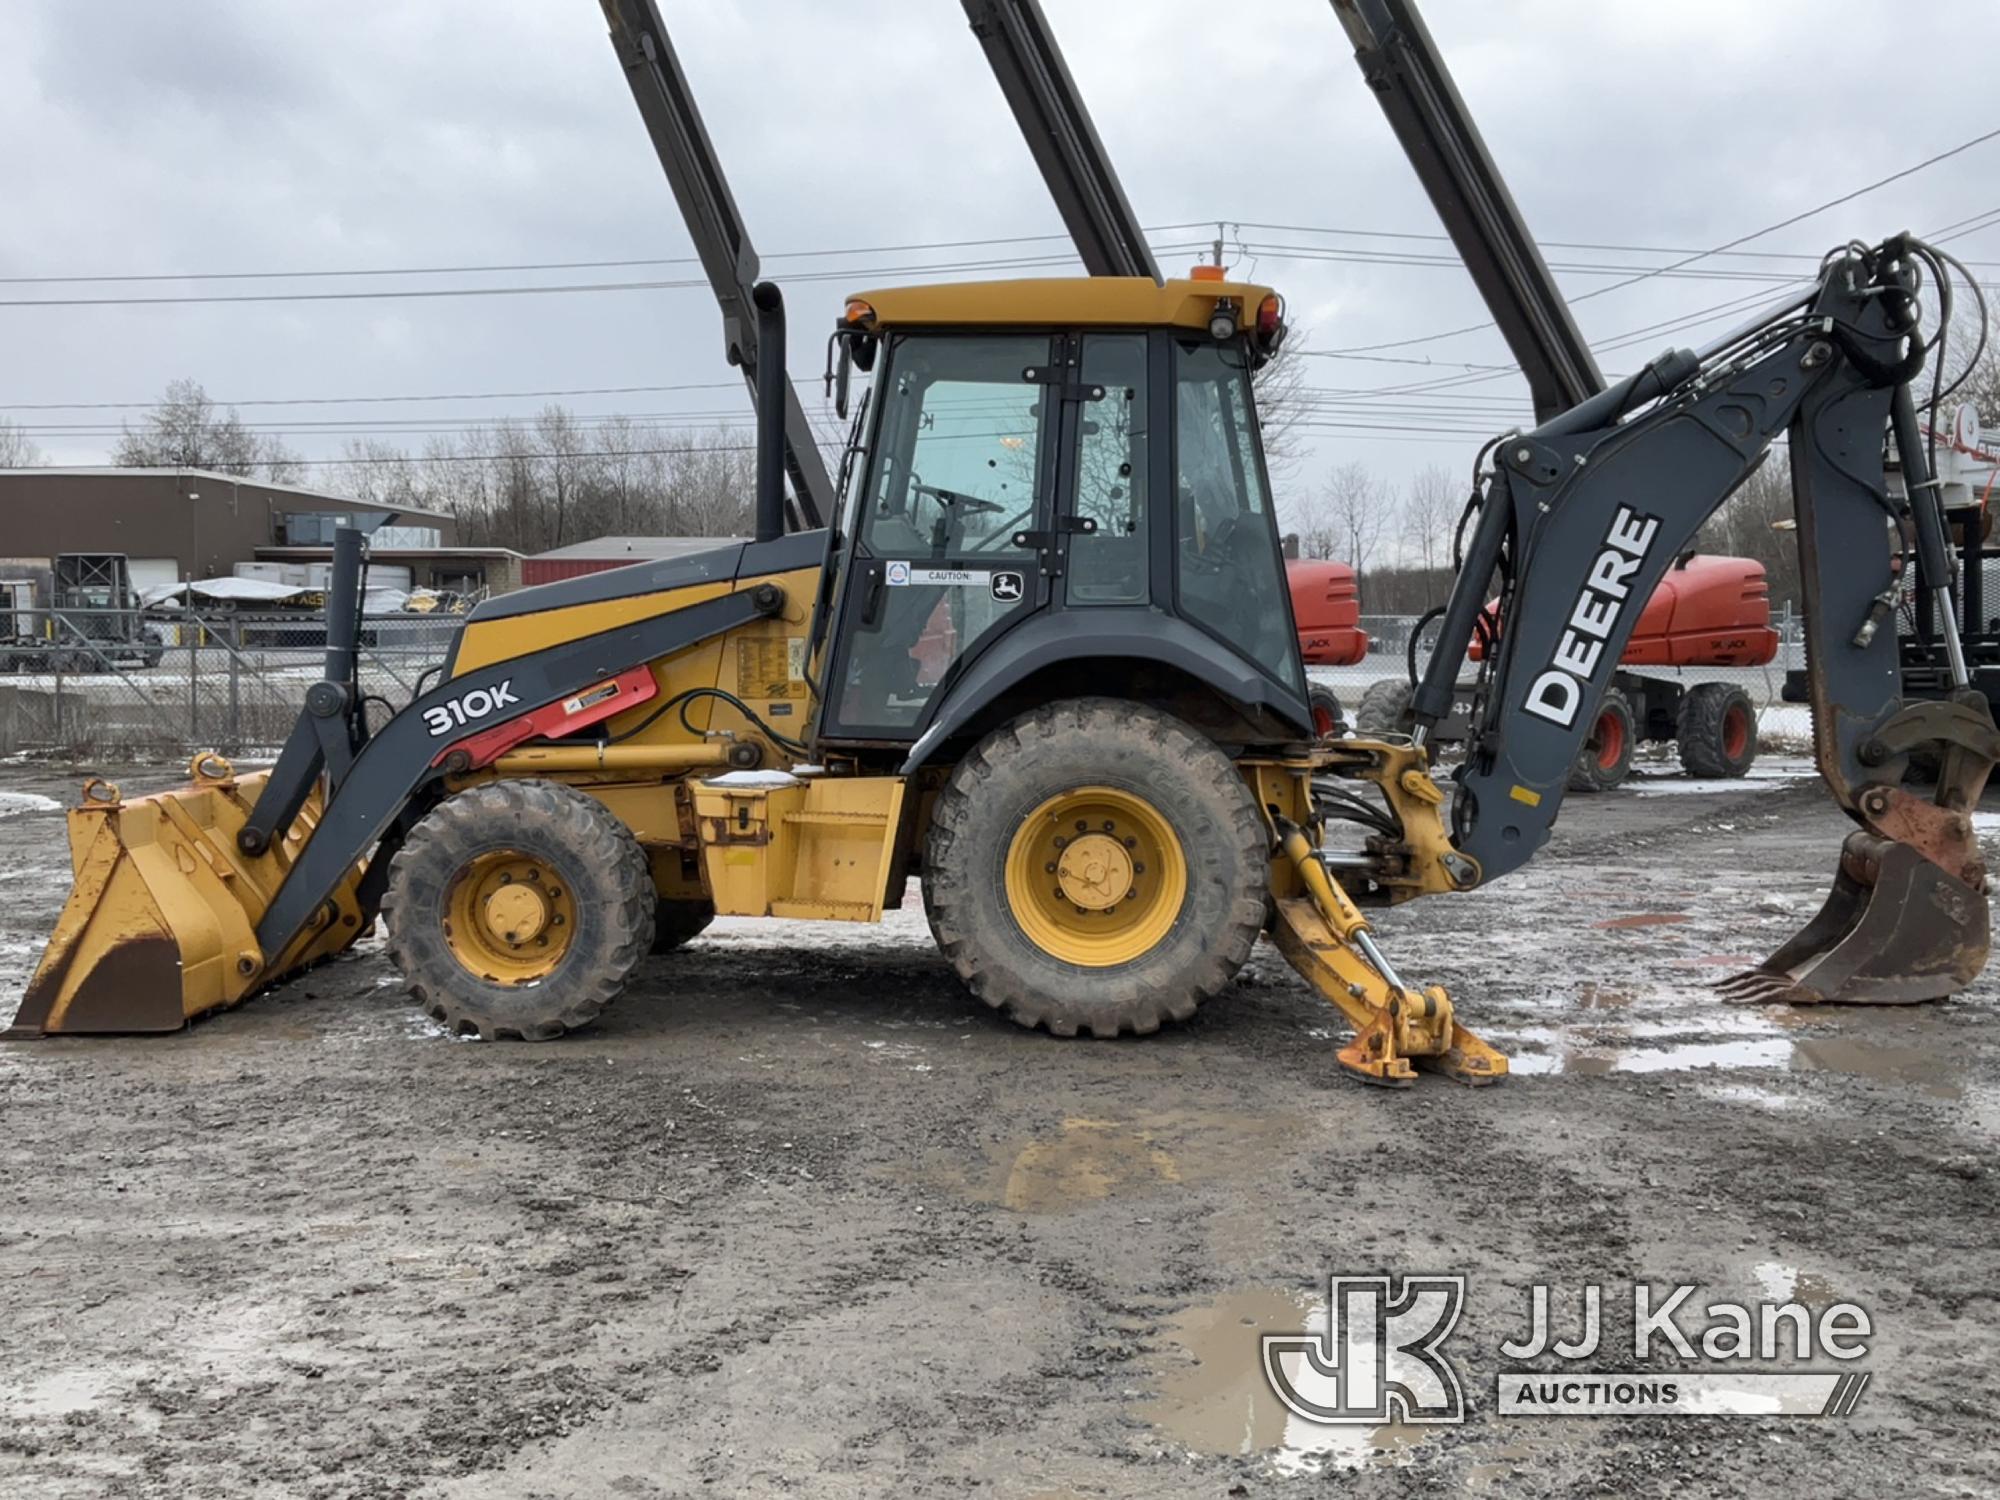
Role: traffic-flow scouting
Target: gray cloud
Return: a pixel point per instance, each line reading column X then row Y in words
column 293, row 135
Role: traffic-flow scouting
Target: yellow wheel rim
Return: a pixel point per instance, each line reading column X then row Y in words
column 1095, row 877
column 509, row 918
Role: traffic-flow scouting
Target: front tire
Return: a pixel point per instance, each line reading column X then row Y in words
column 518, row 908
column 1096, row 866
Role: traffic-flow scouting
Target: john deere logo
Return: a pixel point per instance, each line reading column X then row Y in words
column 1008, row 587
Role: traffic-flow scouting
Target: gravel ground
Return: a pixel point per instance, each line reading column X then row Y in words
column 800, row 1217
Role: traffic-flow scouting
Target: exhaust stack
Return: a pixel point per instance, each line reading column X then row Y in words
column 772, row 388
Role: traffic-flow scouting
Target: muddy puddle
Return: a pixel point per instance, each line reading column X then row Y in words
column 1210, row 1394
column 1756, row 1046
column 1083, row 1159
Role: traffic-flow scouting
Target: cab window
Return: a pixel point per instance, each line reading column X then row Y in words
column 1108, row 564
column 1229, row 573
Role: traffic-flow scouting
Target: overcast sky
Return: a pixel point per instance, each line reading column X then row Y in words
column 238, row 136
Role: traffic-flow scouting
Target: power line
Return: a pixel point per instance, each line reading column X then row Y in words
column 634, row 262
column 550, row 265
column 1723, row 248
column 375, row 294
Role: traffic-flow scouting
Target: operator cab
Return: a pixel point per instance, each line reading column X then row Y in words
column 1056, row 477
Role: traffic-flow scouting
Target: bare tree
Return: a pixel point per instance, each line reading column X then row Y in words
column 1746, row 526
column 1282, row 407
column 1428, row 513
column 1355, row 511
column 189, row 431
column 17, row 449
column 1982, row 381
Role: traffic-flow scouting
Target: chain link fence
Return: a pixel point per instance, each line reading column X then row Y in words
column 170, row 682
column 116, row 684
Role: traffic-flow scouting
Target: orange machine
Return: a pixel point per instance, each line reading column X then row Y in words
column 1326, row 607
column 1709, row 611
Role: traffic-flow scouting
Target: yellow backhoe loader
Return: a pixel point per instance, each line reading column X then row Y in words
column 1049, row 663
column 1043, row 657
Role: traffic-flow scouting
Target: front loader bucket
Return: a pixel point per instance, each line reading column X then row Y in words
column 1896, row 929
column 161, row 921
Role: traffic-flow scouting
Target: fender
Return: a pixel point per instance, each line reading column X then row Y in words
column 1134, row 634
column 404, row 755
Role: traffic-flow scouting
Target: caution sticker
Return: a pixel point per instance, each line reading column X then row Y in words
column 903, row 574
column 771, row 667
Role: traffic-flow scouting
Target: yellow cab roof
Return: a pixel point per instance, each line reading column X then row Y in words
column 1061, row 302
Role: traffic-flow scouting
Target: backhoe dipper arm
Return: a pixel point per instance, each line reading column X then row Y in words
column 1035, row 79
column 666, row 104
column 1402, row 65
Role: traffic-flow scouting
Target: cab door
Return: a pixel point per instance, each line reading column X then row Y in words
column 956, row 493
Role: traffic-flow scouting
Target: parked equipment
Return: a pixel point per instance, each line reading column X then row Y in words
column 74, row 612
column 1110, row 790
column 1707, row 612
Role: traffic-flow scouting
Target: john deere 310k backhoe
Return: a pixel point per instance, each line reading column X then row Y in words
column 1043, row 657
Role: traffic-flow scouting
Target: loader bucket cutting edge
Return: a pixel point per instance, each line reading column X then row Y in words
column 160, row 924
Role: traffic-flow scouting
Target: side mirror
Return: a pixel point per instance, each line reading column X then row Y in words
column 839, row 371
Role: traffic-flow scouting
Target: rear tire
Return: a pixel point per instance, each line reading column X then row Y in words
column 1605, row 758
column 1385, row 708
column 1718, row 731
column 518, row 908
column 1043, row 933
column 1329, row 721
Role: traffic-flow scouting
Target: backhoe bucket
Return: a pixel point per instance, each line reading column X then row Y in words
column 161, row 921
column 1897, row 928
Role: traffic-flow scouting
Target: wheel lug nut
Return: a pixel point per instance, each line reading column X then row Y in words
column 1082, row 826
column 1137, row 868
column 1133, row 894
column 1109, row 825
column 1049, row 868
column 1061, row 842
column 1131, row 843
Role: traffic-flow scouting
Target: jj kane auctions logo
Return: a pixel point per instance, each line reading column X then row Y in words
column 1380, row 1357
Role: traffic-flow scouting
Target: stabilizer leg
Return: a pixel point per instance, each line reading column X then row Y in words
column 1397, row 1029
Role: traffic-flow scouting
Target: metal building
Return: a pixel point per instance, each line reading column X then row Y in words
column 178, row 524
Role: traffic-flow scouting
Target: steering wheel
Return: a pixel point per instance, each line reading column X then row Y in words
column 965, row 505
